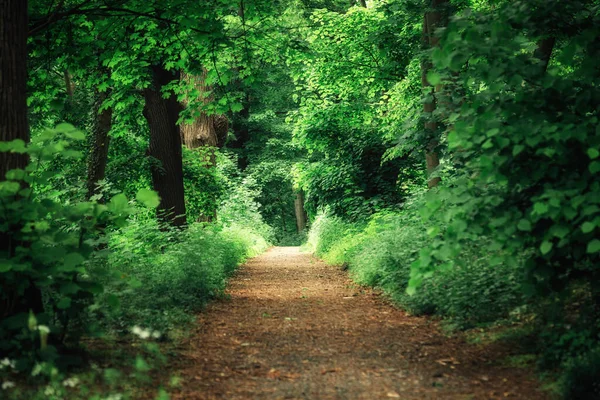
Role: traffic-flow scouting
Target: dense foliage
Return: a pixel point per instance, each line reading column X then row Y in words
column 509, row 105
column 445, row 151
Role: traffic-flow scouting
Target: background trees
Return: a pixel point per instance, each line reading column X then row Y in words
column 448, row 149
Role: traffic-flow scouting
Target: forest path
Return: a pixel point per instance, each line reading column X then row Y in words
column 296, row 328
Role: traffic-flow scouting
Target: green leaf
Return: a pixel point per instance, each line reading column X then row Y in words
column 5, row 266
column 593, row 246
column 64, row 303
column 14, row 146
column 540, row 208
column 524, row 225
column 69, row 288
column 236, row 107
column 9, row 188
column 593, row 153
column 587, row 227
column 71, row 261
column 434, row 78
column 594, row 167
column 162, row 395
column 75, row 134
column 517, row 149
column 546, row 247
column 65, row 127
column 118, row 204
column 141, row 365
column 148, row 197
column 15, row 174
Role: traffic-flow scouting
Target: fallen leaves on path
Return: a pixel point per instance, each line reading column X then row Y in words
column 295, row 328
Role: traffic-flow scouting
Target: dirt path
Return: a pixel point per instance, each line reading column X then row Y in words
column 295, row 328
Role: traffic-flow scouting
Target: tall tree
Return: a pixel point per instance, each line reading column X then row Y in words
column 14, row 125
column 206, row 130
column 13, row 80
column 433, row 19
column 98, row 158
column 301, row 216
column 165, row 147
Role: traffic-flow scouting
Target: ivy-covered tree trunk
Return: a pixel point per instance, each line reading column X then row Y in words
column 165, row 147
column 14, row 125
column 433, row 19
column 98, row 158
column 206, row 130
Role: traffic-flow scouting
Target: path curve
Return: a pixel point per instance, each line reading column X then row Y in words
column 296, row 328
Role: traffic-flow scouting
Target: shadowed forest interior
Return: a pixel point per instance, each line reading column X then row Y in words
column 443, row 156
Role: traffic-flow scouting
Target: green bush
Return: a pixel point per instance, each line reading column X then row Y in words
column 580, row 380
column 472, row 292
column 177, row 272
column 45, row 276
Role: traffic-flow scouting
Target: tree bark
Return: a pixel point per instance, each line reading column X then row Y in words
column 98, row 159
column 14, row 125
column 301, row 217
column 206, row 130
column 543, row 52
column 363, row 3
column 165, row 148
column 13, row 81
column 69, row 86
column 433, row 19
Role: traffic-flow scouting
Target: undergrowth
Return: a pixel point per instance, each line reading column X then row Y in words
column 380, row 253
column 178, row 271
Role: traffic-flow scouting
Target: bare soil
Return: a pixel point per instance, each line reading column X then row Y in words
column 293, row 327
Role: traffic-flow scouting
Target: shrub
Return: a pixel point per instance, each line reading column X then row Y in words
column 473, row 291
column 580, row 381
column 177, row 272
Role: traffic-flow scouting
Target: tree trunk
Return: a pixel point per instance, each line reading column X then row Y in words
column 69, row 86
column 165, row 148
column 13, row 81
column 543, row 52
column 363, row 3
column 433, row 19
column 242, row 134
column 14, row 125
column 100, row 140
column 300, row 212
column 206, row 130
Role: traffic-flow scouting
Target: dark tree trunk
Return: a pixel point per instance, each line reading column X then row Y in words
column 14, row 125
column 433, row 19
column 100, row 140
column 13, row 80
column 363, row 3
column 543, row 52
column 165, row 148
column 300, row 212
column 69, row 86
column 242, row 134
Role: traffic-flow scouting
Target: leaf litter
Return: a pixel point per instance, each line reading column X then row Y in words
column 263, row 341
